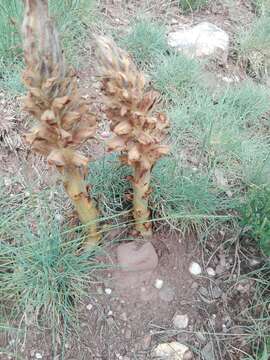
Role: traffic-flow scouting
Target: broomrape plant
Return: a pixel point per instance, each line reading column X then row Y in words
column 64, row 122
column 137, row 132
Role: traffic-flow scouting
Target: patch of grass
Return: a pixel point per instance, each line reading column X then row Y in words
column 262, row 7
column 192, row 5
column 109, row 184
column 254, row 47
column 227, row 132
column 43, row 275
column 181, row 197
column 186, row 198
column 255, row 216
column 175, row 75
column 257, row 315
column 146, row 41
column 72, row 17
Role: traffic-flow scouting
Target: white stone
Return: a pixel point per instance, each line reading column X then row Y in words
column 158, row 283
column 202, row 40
column 89, row 307
column 38, row 356
column 211, row 272
column 108, row 291
column 195, row 269
column 170, row 351
column 110, row 313
column 180, row 321
column 254, row 262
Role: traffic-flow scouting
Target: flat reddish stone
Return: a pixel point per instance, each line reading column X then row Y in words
column 137, row 257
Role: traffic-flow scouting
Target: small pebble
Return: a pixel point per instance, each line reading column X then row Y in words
column 195, row 269
column 38, row 356
column 211, row 272
column 89, row 307
column 110, row 313
column 216, row 292
column 108, row 291
column 188, row 355
column 158, row 283
column 254, row 262
column 180, row 321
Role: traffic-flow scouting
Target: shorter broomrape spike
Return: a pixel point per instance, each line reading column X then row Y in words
column 64, row 121
column 138, row 132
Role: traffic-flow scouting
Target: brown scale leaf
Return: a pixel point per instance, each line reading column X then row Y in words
column 139, row 131
column 52, row 88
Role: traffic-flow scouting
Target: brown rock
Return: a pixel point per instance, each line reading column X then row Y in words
column 133, row 257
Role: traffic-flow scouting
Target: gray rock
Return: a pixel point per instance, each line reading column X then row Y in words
column 201, row 337
column 208, row 352
column 216, row 292
column 202, row 40
column 203, row 291
column 170, row 351
column 211, row 272
column 180, row 321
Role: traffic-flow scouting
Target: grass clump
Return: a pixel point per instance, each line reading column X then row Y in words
column 146, row 41
column 72, row 18
column 185, row 197
column 227, row 132
column 192, row 5
column 262, row 7
column 254, row 47
column 43, row 276
column 108, row 190
column 255, row 216
column 175, row 75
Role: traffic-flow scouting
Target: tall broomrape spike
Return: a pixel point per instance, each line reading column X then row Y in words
column 64, row 122
column 137, row 132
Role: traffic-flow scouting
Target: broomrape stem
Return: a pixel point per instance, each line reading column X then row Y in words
column 76, row 189
column 64, row 122
column 141, row 213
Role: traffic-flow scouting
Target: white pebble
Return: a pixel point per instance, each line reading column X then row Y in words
column 195, row 269
column 38, row 356
column 180, row 321
column 210, row 271
column 108, row 291
column 158, row 283
column 110, row 313
column 89, row 307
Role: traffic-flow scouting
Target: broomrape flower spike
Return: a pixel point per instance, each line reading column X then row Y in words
column 138, row 133
column 64, row 122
